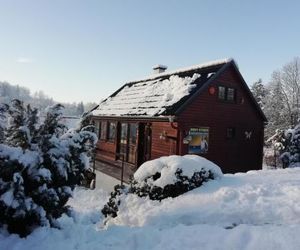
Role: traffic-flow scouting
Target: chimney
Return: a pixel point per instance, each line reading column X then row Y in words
column 159, row 68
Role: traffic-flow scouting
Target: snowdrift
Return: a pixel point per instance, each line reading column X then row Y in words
column 254, row 210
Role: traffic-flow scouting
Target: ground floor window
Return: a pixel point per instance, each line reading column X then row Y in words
column 199, row 140
column 111, row 131
column 97, row 125
column 103, row 130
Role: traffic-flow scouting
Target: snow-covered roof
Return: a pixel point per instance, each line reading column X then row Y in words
column 160, row 94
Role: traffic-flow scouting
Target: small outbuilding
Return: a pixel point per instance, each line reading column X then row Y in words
column 205, row 109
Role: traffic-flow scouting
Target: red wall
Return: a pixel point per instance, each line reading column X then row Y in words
column 233, row 155
column 160, row 146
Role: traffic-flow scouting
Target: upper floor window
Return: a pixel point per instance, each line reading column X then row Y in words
column 226, row 94
column 222, row 93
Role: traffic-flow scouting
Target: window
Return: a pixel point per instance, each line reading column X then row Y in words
column 103, row 130
column 124, row 132
column 230, row 94
column 97, row 128
column 222, row 92
column 111, row 131
column 230, row 134
column 226, row 94
column 132, row 133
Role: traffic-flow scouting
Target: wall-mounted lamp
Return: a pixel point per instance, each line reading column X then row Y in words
column 171, row 118
column 163, row 135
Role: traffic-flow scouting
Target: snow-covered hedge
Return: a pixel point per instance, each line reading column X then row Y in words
column 40, row 163
column 168, row 176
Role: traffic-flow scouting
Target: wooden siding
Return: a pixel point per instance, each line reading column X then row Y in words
column 162, row 147
column 233, row 155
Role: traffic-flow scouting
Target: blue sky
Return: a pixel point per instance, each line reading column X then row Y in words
column 84, row 50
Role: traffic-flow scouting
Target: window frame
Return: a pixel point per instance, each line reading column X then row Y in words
column 221, row 98
column 103, row 130
column 226, row 94
column 97, row 125
column 230, row 133
column 108, row 135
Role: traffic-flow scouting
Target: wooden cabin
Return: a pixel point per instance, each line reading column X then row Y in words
column 205, row 109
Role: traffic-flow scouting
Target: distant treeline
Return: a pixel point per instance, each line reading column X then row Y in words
column 39, row 99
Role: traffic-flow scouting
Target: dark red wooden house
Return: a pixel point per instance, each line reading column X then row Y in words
column 206, row 109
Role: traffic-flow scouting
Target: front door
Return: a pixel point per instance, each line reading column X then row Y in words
column 127, row 142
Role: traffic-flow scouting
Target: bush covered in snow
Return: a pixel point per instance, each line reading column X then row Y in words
column 165, row 177
column 291, row 156
column 40, row 163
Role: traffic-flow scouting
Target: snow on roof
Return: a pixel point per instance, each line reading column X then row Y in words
column 194, row 67
column 156, row 94
column 147, row 98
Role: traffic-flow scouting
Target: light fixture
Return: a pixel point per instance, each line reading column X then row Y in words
column 163, row 135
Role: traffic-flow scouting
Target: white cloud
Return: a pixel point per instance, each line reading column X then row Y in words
column 24, row 60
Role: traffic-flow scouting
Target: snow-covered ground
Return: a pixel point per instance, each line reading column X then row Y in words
column 256, row 210
column 105, row 182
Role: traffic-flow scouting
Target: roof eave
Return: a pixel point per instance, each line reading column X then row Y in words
column 132, row 118
column 250, row 94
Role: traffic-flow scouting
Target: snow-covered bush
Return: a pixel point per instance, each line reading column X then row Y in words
column 291, row 157
column 276, row 145
column 168, row 176
column 40, row 164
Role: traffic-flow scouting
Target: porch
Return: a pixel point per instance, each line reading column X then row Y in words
column 115, row 170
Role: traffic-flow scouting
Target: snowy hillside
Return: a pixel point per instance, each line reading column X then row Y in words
column 256, row 210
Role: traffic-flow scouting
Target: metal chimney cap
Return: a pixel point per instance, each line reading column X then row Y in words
column 160, row 66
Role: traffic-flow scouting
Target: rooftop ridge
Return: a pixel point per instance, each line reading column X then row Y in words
column 181, row 70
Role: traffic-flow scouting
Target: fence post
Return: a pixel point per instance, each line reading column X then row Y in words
column 122, row 170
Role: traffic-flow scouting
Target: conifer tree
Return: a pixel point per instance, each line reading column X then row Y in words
column 259, row 92
column 40, row 164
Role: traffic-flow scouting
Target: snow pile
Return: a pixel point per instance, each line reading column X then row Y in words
column 168, row 166
column 162, row 178
column 147, row 98
column 255, row 198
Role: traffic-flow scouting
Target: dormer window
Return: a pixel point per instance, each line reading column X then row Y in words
column 226, row 94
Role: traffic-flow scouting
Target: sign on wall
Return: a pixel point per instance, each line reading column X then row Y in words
column 199, row 140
